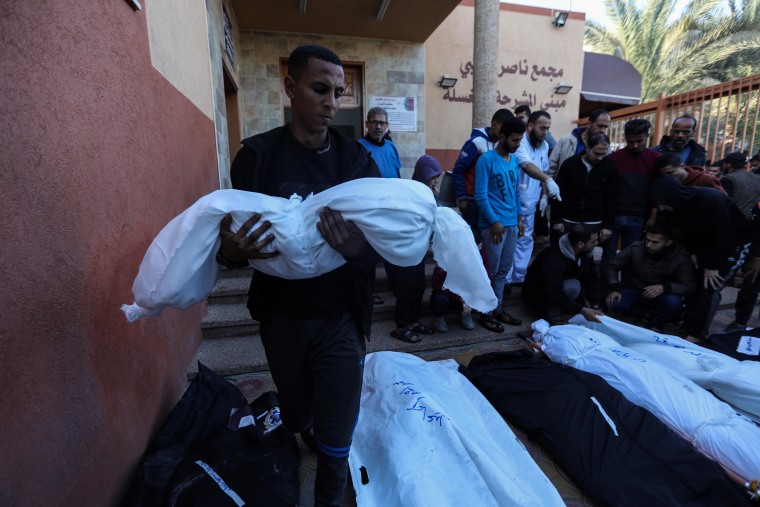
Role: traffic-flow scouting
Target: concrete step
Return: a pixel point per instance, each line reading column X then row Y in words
column 233, row 285
column 233, row 354
column 233, row 319
column 243, row 354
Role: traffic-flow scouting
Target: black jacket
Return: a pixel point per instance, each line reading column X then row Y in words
column 711, row 226
column 251, row 171
column 672, row 269
column 543, row 282
column 587, row 196
column 697, row 156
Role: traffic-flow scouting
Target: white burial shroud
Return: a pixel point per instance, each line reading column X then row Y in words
column 733, row 381
column 398, row 218
column 711, row 425
column 426, row 436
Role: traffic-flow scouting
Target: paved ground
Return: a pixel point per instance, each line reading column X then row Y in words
column 252, row 385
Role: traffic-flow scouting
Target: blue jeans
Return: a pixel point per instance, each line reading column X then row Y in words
column 665, row 307
column 627, row 229
column 499, row 258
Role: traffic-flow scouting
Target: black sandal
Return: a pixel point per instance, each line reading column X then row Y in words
column 490, row 324
column 377, row 299
column 405, row 334
column 507, row 319
column 421, row 328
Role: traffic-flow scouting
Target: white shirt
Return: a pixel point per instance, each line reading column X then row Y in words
column 530, row 188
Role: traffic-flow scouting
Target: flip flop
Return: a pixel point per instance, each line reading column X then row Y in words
column 405, row 334
column 507, row 319
column 490, row 324
column 421, row 328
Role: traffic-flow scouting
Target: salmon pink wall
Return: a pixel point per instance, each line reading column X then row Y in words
column 98, row 153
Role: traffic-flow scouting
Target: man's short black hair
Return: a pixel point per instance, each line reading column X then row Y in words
column 523, row 109
column 299, row 58
column 580, row 233
column 596, row 113
column 535, row 115
column 502, row 115
column 666, row 160
column 636, row 127
column 512, row 126
column 663, row 230
column 688, row 117
column 598, row 138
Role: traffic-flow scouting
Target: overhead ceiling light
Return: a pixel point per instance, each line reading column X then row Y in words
column 562, row 89
column 447, row 82
column 560, row 19
column 302, row 7
column 383, row 8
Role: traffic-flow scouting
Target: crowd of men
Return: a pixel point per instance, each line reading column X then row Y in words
column 673, row 234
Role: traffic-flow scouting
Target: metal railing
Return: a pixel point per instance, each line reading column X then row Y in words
column 726, row 114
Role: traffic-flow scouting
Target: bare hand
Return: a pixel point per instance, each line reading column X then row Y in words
column 463, row 206
column 604, row 235
column 653, row 291
column 751, row 268
column 240, row 245
column 345, row 237
column 712, row 279
column 612, row 298
column 559, row 228
column 591, row 314
column 520, row 228
column 497, row 232
column 694, row 261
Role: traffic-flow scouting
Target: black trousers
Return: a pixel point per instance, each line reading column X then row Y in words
column 317, row 365
column 701, row 311
column 408, row 283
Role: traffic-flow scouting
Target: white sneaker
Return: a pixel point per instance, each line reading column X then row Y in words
column 439, row 323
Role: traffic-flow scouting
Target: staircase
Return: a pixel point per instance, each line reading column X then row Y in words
column 231, row 344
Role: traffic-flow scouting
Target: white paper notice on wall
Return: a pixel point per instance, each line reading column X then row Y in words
column 749, row 346
column 402, row 112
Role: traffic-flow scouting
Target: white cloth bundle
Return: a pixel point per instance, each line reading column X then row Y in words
column 736, row 382
column 711, row 425
column 396, row 216
column 426, row 436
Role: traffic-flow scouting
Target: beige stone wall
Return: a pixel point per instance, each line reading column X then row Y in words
column 392, row 68
column 527, row 38
column 179, row 48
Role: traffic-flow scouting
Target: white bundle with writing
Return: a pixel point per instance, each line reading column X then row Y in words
column 396, row 216
column 736, row 382
column 426, row 436
column 711, row 425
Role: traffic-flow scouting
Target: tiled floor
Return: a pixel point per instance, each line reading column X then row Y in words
column 253, row 385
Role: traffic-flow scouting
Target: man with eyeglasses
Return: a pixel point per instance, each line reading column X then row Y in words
column 382, row 149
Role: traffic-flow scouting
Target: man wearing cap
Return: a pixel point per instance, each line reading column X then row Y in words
column 680, row 141
column 744, row 189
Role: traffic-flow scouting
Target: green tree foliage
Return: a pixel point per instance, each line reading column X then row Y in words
column 709, row 42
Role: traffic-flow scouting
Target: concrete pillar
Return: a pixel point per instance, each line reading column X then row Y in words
column 485, row 60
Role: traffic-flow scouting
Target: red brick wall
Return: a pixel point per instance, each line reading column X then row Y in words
column 99, row 152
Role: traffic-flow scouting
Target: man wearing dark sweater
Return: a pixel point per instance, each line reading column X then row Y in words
column 313, row 330
column 589, row 187
column 635, row 172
